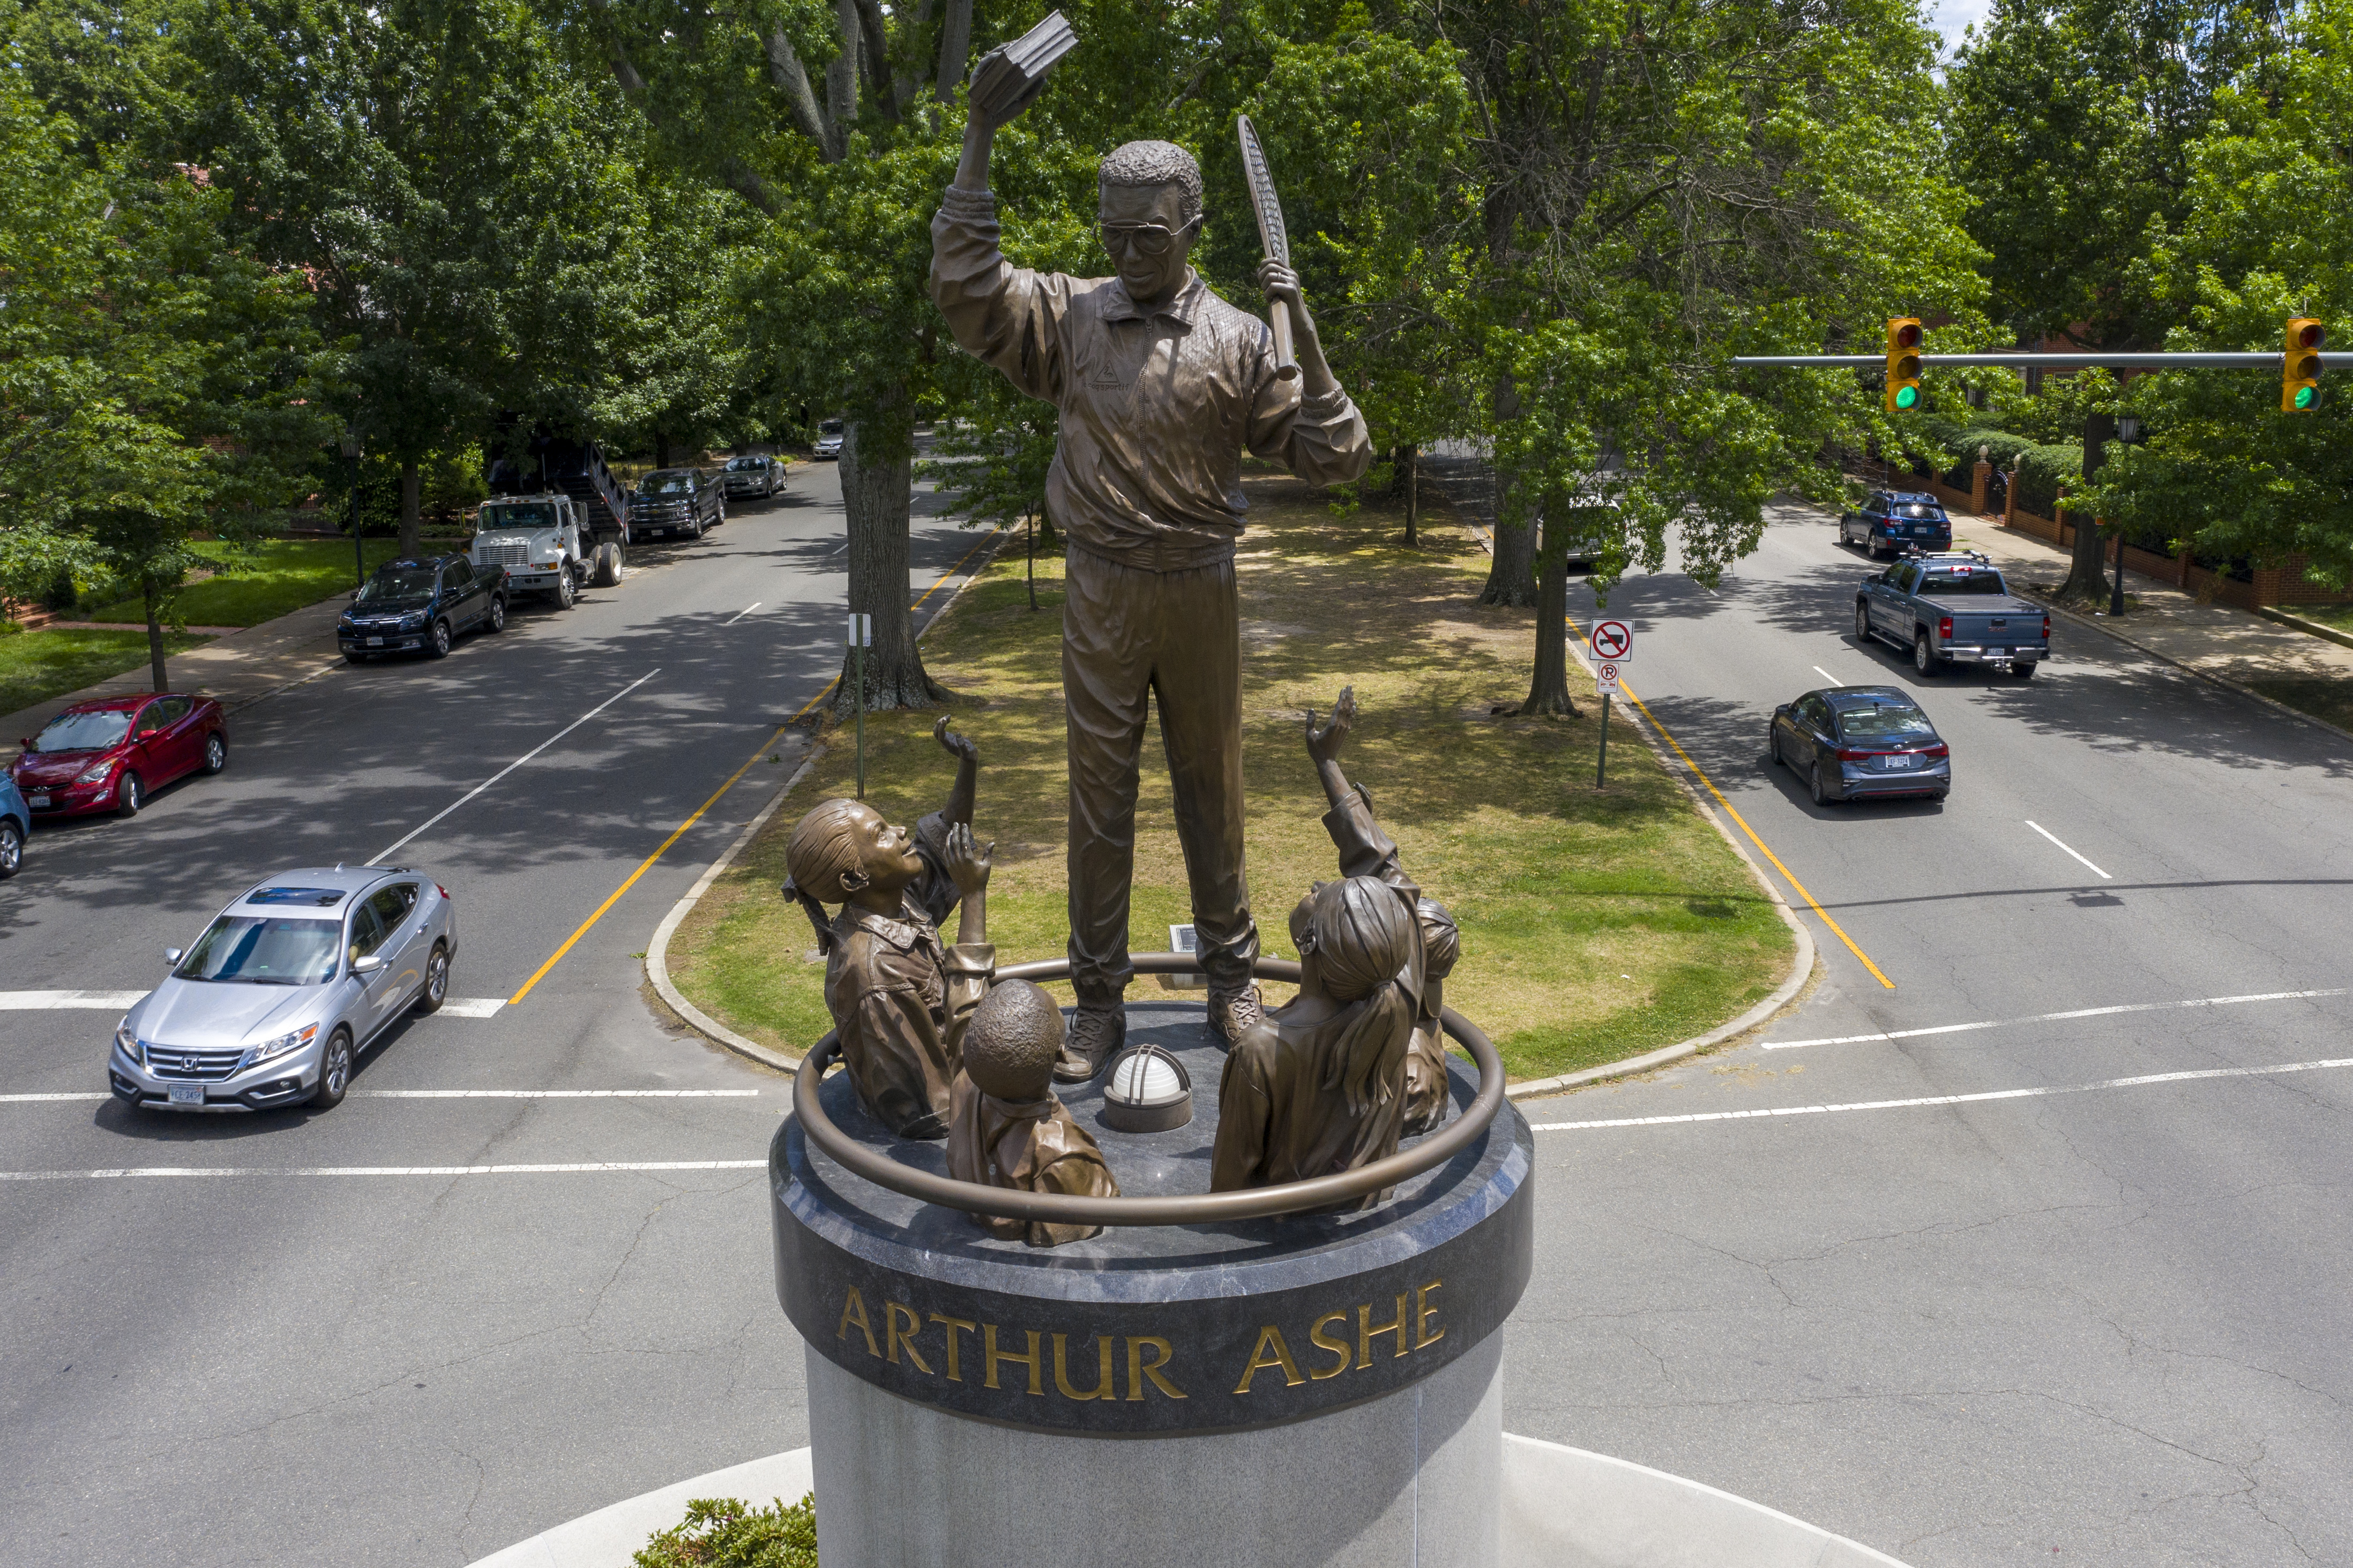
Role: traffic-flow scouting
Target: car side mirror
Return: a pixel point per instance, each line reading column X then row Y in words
column 369, row 965
column 172, row 957
column 1784, row 708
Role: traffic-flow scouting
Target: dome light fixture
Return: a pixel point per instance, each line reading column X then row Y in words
column 1146, row 1091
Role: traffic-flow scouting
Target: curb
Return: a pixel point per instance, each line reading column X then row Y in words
column 2309, row 629
column 657, row 951
column 2224, row 681
column 1801, row 966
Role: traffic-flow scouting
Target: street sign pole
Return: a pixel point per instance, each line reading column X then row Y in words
column 1601, row 766
column 861, row 634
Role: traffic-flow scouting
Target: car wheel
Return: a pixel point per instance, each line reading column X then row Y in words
column 1861, row 621
column 129, row 795
column 608, row 565
column 12, row 847
column 568, row 592
column 437, row 645
column 216, row 752
column 2023, row 671
column 494, row 619
column 436, row 989
column 334, row 1072
column 1924, row 657
column 1773, row 747
column 1822, row 796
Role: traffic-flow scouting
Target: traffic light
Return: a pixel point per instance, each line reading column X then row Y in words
column 1903, row 364
column 2300, row 370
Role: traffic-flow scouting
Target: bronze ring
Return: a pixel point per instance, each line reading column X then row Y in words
column 1257, row 1203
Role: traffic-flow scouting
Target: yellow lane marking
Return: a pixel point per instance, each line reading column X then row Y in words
column 648, row 863
column 1791, row 877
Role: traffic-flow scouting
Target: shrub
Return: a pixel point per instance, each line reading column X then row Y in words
column 727, row 1532
column 2042, row 470
column 1962, row 442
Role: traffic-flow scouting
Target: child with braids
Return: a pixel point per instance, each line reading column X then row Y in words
column 899, row 996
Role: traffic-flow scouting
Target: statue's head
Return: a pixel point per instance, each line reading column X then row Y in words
column 1011, row 1041
column 1355, row 934
column 842, row 847
column 1151, row 214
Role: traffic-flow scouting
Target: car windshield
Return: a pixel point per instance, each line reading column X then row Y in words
column 1915, row 509
column 830, row 427
column 1885, row 723
column 517, row 514
column 264, row 949
column 666, row 484
column 83, row 731
column 394, row 583
column 747, row 465
column 1947, row 583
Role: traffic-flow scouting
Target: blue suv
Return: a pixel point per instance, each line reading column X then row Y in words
column 1892, row 522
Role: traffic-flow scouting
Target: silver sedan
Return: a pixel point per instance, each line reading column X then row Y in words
column 284, row 990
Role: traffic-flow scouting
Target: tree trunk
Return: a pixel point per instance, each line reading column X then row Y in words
column 1410, row 476
column 878, row 492
column 412, row 489
column 1549, row 691
column 2087, row 577
column 1512, row 580
column 154, row 634
column 1029, row 540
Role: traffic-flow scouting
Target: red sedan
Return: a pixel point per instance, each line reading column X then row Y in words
column 107, row 755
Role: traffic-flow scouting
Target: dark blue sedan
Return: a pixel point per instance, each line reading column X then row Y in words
column 1892, row 522
column 1858, row 742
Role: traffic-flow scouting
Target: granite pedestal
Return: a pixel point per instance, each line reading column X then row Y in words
column 1292, row 1391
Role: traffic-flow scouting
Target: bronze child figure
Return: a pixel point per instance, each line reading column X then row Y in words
column 898, row 995
column 1008, row 1130
column 1335, row 1077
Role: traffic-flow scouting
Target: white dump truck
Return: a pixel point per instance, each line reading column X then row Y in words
column 542, row 544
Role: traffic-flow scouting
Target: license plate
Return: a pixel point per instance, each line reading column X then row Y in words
column 37, row 802
column 1902, row 761
column 187, row 1094
column 375, row 642
column 1997, row 653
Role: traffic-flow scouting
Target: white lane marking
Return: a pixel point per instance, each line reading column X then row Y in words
column 511, row 767
column 472, row 1007
column 1946, row 1098
column 2054, row 839
column 583, row 1167
column 742, row 613
column 42, row 1001
column 836, row 550
column 467, row 1094
column 1826, row 675
column 2054, row 1017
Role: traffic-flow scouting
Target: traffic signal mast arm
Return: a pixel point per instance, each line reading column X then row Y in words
column 2188, row 361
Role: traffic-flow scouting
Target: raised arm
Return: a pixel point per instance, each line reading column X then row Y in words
column 1006, row 315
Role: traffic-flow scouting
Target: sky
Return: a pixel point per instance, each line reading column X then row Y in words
column 1950, row 16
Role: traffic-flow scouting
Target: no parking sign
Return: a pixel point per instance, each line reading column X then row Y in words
column 1604, row 675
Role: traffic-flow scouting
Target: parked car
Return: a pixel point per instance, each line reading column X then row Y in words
column 109, row 755
column 1892, row 522
column 16, row 822
column 677, row 501
column 419, row 605
column 278, row 997
column 540, row 542
column 1856, row 742
column 1952, row 606
column 757, row 475
column 829, row 439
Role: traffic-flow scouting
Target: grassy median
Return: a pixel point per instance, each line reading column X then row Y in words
column 262, row 581
column 37, row 666
column 1595, row 925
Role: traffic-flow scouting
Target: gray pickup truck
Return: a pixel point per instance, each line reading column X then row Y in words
column 1952, row 606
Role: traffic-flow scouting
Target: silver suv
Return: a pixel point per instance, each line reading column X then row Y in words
column 284, row 990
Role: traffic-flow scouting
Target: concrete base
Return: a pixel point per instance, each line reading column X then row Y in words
column 1413, row 1477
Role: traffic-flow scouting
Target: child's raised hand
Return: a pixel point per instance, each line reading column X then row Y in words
column 1324, row 742
column 968, row 864
column 957, row 745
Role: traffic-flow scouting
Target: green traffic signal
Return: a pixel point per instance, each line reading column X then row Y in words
column 1909, row 396
column 2304, row 396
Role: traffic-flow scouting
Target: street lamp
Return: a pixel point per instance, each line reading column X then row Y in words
column 351, row 445
column 2127, row 432
column 2128, row 428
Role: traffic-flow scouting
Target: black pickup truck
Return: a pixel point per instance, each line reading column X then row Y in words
column 419, row 605
column 1952, row 606
column 677, row 501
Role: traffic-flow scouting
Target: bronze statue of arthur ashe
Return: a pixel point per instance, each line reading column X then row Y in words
column 1160, row 384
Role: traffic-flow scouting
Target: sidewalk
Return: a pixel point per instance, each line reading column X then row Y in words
column 2309, row 674
column 237, row 669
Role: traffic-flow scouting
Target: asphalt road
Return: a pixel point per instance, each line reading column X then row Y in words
column 2061, row 1317
column 298, row 1365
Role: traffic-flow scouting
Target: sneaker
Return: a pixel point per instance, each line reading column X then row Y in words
column 1096, row 1036
column 1234, row 1014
